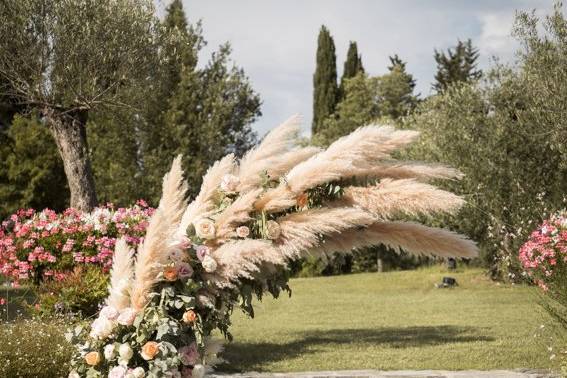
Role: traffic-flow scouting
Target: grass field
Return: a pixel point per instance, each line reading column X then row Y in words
column 394, row 320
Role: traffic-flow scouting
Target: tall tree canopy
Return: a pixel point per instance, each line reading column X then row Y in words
column 352, row 66
column 325, row 89
column 459, row 64
column 66, row 58
column 396, row 88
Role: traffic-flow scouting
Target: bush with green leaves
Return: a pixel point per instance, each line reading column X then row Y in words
column 506, row 134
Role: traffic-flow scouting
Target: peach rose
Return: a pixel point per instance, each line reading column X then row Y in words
column 242, row 232
column 189, row 317
column 92, row 358
column 150, row 350
column 302, row 200
column 170, row 273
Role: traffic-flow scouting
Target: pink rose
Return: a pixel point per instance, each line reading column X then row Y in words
column 202, row 251
column 189, row 354
column 127, row 316
column 184, row 270
column 109, row 312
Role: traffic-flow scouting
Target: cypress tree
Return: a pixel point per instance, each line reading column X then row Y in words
column 352, row 66
column 325, row 89
column 457, row 65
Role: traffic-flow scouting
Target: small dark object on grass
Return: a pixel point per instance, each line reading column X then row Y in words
column 447, row 282
column 451, row 263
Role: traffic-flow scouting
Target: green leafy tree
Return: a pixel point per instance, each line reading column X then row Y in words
column 209, row 116
column 507, row 135
column 66, row 59
column 396, row 90
column 31, row 171
column 325, row 89
column 459, row 64
column 352, row 67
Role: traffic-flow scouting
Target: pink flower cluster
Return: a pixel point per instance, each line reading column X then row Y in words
column 46, row 244
column 546, row 247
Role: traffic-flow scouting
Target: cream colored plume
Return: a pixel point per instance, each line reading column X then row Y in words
column 407, row 236
column 406, row 170
column 243, row 259
column 345, row 158
column 120, row 276
column 273, row 155
column 303, row 230
column 203, row 205
column 391, row 198
column 235, row 214
column 153, row 253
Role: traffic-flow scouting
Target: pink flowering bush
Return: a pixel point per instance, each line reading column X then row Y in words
column 544, row 257
column 47, row 249
column 35, row 246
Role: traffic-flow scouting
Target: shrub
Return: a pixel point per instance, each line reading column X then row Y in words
column 47, row 245
column 79, row 293
column 33, row 348
column 67, row 256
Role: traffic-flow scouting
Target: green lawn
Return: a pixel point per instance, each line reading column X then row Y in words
column 394, row 320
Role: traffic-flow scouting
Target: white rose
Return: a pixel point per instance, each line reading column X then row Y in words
column 102, row 328
column 205, row 228
column 198, row 371
column 109, row 312
column 117, row 372
column 74, row 374
column 209, row 264
column 127, row 316
column 229, row 183
column 273, row 230
column 242, row 232
column 109, row 351
column 125, row 352
column 139, row 372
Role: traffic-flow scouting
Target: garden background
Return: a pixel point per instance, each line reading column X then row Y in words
column 92, row 114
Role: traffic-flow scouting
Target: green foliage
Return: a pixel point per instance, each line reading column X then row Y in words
column 80, row 293
column 31, row 171
column 458, row 65
column 325, row 90
column 498, row 134
column 34, row 349
column 209, row 115
column 352, row 67
column 358, row 107
column 395, row 91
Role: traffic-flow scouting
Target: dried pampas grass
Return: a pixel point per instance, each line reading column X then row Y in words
column 390, row 198
column 243, row 259
column 120, row 276
column 203, row 205
column 303, row 230
column 407, row 170
column 401, row 236
column 153, row 253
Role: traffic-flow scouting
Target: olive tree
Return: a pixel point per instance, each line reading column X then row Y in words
column 63, row 59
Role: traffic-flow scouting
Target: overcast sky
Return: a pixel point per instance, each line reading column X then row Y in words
column 275, row 41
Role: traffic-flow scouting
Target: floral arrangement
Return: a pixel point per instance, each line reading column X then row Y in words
column 544, row 255
column 40, row 245
column 233, row 242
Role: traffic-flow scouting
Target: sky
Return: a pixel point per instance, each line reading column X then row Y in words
column 275, row 41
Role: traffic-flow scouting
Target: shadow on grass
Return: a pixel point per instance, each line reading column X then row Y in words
column 16, row 299
column 247, row 356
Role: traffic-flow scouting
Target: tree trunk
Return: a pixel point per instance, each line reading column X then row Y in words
column 70, row 135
